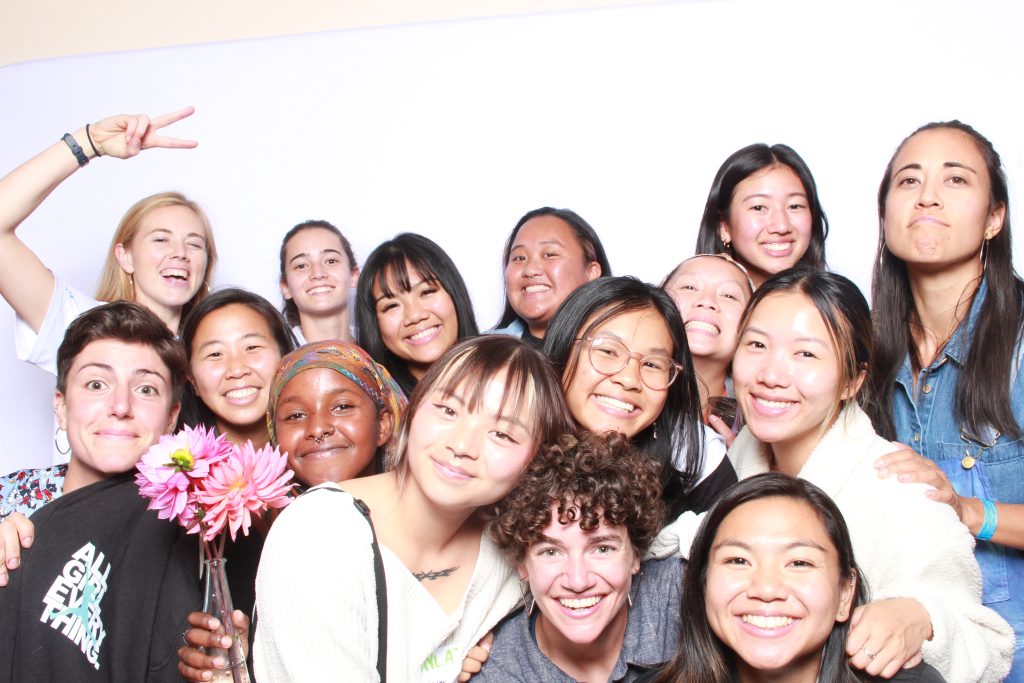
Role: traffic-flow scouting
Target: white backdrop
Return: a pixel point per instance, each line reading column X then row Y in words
column 456, row 129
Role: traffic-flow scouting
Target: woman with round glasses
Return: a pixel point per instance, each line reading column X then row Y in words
column 620, row 347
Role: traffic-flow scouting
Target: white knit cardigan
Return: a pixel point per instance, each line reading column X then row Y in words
column 906, row 545
column 317, row 606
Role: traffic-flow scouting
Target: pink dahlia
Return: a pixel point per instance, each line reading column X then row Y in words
column 245, row 483
column 169, row 468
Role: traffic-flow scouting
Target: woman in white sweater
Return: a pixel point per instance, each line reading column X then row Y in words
column 805, row 346
column 473, row 424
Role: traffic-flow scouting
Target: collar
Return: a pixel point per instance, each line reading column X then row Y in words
column 958, row 345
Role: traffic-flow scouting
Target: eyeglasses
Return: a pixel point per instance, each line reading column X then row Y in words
column 609, row 356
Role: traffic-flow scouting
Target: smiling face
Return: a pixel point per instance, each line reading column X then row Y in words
column 318, row 275
column 580, row 580
column 711, row 294
column 461, row 457
column 234, row 357
column 937, row 212
column 546, row 264
column 769, row 222
column 167, row 258
column 117, row 404
column 418, row 326
column 329, row 427
column 774, row 589
column 787, row 377
column 621, row 402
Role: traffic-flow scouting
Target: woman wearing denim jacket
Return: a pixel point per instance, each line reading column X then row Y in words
column 948, row 311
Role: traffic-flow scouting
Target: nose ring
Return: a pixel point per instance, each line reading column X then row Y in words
column 323, row 435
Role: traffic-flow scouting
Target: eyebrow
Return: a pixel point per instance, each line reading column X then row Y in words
column 412, row 286
column 768, row 196
column 804, row 543
column 945, row 164
column 304, row 254
column 138, row 372
column 258, row 335
column 551, row 241
column 503, row 417
column 612, row 335
column 813, row 340
column 187, row 235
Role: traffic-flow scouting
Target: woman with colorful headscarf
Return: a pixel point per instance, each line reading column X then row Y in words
column 334, row 411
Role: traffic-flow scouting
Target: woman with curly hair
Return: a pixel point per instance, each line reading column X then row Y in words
column 576, row 526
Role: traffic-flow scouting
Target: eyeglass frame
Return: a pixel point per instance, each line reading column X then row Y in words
column 630, row 355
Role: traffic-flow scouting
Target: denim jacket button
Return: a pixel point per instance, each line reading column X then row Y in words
column 967, row 462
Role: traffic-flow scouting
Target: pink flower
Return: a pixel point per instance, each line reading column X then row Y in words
column 168, row 469
column 245, row 483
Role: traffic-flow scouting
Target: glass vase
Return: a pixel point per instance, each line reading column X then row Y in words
column 217, row 603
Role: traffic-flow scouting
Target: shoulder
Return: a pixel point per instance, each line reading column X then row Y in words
column 27, row 490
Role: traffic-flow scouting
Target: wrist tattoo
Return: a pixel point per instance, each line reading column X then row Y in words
column 431, row 575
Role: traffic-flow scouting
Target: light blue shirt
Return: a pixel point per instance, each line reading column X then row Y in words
column 986, row 465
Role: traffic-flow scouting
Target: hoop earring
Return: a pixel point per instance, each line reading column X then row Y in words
column 56, row 444
column 654, row 428
column 131, row 284
column 984, row 254
column 527, row 603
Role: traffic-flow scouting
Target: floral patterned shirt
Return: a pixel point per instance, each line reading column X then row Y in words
column 26, row 491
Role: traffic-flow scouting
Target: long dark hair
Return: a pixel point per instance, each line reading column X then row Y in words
column 389, row 263
column 738, row 167
column 983, row 387
column 193, row 410
column 593, row 250
column 846, row 315
column 700, row 656
column 290, row 310
column 678, row 428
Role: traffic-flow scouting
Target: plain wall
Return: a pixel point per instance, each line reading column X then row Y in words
column 455, row 129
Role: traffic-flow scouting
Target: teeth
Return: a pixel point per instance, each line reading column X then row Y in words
column 767, row 622
column 615, row 403
column 579, row 603
column 242, row 393
column 424, row 334
column 319, row 290
column 776, row 246
column 774, row 404
column 176, row 273
column 701, row 325
column 532, row 289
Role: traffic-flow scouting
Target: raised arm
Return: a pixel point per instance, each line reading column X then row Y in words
column 25, row 282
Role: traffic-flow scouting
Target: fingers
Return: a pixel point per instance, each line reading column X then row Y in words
column 718, row 424
column 206, row 632
column 173, row 117
column 193, row 665
column 16, row 532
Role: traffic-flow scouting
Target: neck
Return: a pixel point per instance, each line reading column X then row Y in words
column 789, row 457
column 78, row 476
column 331, row 326
column 941, row 300
column 537, row 329
column 416, row 517
column 797, row 672
column 592, row 661
column 170, row 316
column 710, row 380
column 256, row 433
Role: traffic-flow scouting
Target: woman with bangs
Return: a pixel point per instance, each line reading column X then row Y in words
column 412, row 305
column 473, row 424
column 805, row 348
column 162, row 254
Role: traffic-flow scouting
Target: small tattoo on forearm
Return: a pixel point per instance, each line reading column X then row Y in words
column 430, row 576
